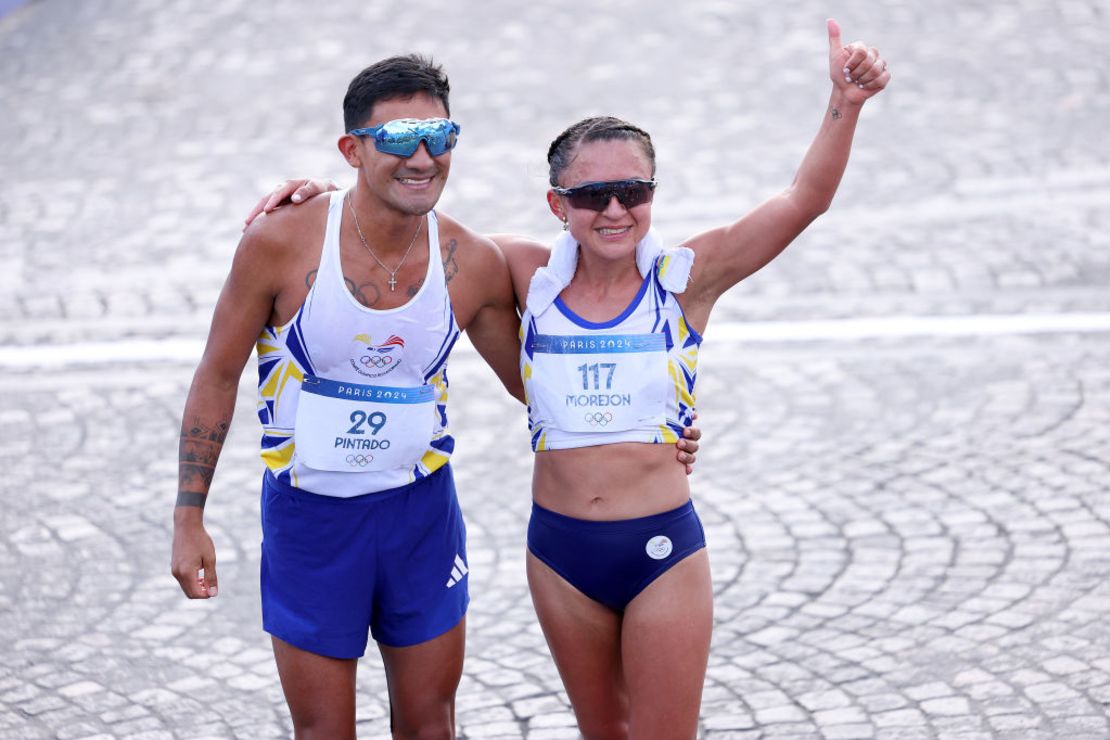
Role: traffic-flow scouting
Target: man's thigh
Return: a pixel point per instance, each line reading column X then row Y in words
column 423, row 679
column 320, row 691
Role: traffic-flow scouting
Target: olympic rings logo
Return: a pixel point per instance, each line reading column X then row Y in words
column 376, row 360
column 598, row 418
column 359, row 460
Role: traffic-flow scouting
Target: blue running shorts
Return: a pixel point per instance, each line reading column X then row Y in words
column 613, row 561
column 392, row 562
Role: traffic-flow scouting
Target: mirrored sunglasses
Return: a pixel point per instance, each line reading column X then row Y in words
column 402, row 136
column 595, row 196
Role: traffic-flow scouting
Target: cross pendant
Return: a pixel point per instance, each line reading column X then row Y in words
column 392, row 281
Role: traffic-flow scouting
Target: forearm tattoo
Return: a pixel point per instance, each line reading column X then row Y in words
column 450, row 265
column 835, row 114
column 188, row 498
column 197, row 457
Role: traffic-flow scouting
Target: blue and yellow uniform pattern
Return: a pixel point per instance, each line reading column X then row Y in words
column 654, row 310
column 333, row 336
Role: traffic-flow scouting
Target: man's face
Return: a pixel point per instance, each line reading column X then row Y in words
column 412, row 184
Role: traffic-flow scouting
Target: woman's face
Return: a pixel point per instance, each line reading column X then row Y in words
column 613, row 232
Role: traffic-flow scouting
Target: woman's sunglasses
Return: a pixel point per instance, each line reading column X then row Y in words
column 402, row 136
column 595, row 196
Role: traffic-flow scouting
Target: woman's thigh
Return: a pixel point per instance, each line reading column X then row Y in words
column 585, row 640
column 665, row 649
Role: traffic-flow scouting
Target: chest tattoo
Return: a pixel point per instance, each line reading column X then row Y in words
column 450, row 264
column 368, row 293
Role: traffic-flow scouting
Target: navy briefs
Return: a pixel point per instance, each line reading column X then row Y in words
column 613, row 561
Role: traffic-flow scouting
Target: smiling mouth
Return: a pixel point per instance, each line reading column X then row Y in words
column 614, row 232
column 414, row 181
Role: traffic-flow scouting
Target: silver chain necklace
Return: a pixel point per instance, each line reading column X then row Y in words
column 392, row 273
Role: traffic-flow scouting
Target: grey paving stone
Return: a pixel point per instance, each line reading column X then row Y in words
column 907, row 534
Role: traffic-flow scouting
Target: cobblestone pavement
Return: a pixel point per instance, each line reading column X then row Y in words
column 909, row 528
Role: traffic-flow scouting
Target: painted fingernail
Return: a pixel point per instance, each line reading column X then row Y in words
column 846, row 70
column 297, row 197
column 859, row 85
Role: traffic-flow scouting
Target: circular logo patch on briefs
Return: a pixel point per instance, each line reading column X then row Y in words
column 659, row 547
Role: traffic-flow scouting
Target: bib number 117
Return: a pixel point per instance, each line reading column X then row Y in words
column 594, row 371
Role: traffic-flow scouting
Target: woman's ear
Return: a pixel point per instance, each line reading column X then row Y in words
column 555, row 203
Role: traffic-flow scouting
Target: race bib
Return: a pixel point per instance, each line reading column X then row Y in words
column 359, row 428
column 601, row 383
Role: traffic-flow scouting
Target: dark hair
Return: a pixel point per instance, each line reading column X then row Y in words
column 599, row 128
column 395, row 77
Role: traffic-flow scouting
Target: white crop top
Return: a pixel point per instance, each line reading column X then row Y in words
column 630, row 379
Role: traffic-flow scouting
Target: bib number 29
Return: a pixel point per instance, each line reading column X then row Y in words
column 374, row 421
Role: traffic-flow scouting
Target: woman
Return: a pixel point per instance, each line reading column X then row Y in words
column 610, row 330
column 611, row 325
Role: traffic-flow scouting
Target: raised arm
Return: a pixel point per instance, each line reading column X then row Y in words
column 243, row 308
column 728, row 254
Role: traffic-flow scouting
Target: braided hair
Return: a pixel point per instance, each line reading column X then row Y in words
column 598, row 128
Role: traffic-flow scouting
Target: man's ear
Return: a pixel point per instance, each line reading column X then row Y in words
column 349, row 148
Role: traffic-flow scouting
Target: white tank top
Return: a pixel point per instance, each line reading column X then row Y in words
column 630, row 379
column 353, row 400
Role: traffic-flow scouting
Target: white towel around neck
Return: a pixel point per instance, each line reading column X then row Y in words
column 548, row 282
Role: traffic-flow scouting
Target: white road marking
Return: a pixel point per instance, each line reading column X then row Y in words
column 823, row 330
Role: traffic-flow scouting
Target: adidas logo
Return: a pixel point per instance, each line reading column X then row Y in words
column 457, row 572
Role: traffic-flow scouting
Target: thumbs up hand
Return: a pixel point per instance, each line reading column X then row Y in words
column 856, row 69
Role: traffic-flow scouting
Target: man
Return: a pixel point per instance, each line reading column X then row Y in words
column 361, row 526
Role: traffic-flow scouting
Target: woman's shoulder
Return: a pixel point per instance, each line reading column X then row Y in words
column 524, row 255
column 522, row 249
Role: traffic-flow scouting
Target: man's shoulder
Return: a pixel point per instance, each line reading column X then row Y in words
column 451, row 229
column 466, row 247
column 290, row 228
column 476, row 271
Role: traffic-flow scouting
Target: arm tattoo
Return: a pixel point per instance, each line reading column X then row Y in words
column 368, row 294
column 835, row 114
column 198, row 454
column 450, row 265
column 187, row 498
